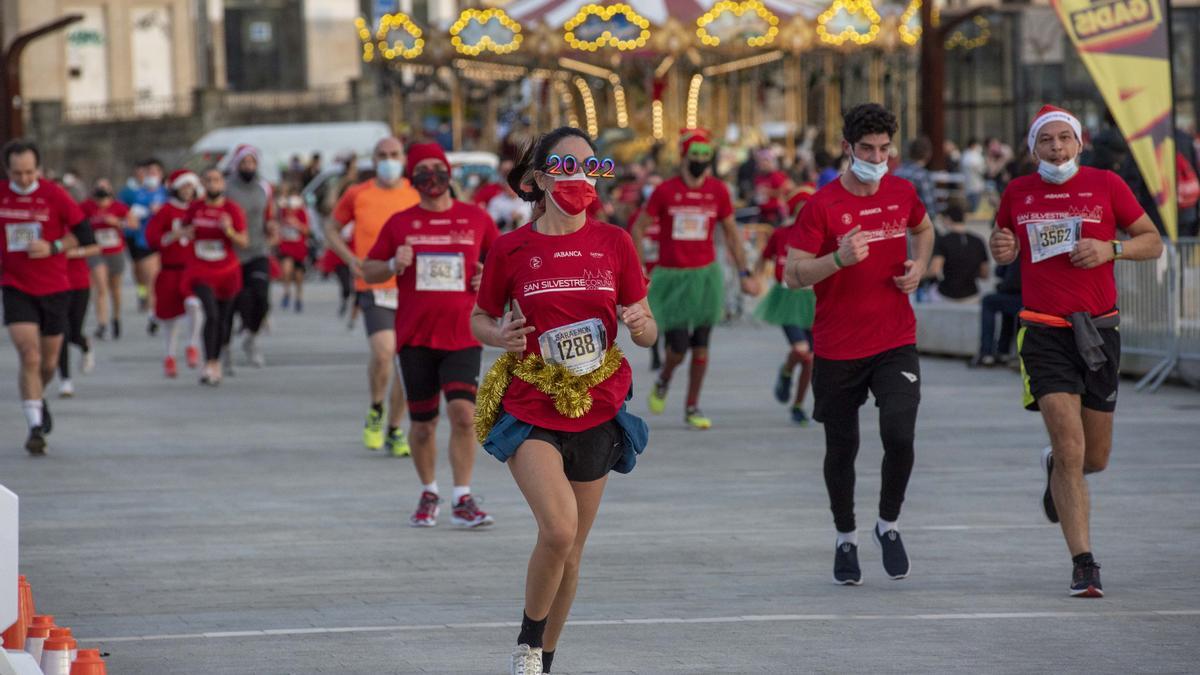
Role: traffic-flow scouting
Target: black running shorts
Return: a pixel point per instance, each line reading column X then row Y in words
column 588, row 455
column 840, row 387
column 49, row 312
column 375, row 318
column 1051, row 364
column 428, row 372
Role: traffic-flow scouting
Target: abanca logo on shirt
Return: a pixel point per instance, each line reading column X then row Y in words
column 568, row 254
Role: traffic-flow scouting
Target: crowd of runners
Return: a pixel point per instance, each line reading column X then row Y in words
column 434, row 280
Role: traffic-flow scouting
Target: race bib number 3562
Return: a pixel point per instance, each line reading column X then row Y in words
column 1055, row 237
column 20, row 235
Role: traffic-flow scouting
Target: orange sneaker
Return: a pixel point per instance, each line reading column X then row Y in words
column 169, row 368
column 193, row 357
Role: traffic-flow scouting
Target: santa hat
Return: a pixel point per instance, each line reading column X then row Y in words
column 688, row 137
column 242, row 152
column 1050, row 114
column 419, row 152
column 181, row 177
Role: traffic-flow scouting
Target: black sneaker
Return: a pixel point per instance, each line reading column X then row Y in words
column 36, row 444
column 116, row 329
column 783, row 386
column 47, row 420
column 1047, row 498
column 152, row 328
column 845, row 565
column 101, row 333
column 895, row 558
column 1085, row 582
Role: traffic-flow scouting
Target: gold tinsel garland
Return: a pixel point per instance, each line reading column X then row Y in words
column 569, row 392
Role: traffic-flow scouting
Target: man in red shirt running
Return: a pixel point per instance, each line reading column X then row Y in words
column 1062, row 224
column 432, row 251
column 852, row 243
column 39, row 222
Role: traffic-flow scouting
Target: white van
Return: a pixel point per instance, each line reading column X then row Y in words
column 278, row 143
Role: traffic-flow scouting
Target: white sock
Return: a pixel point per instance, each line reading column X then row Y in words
column 432, row 487
column 461, row 491
column 33, row 413
column 847, row 538
column 884, row 526
column 170, row 335
column 195, row 318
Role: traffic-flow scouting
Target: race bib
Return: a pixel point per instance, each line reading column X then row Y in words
column 210, row 250
column 290, row 233
column 1055, row 237
column 387, row 298
column 578, row 347
column 441, row 272
column 690, row 226
column 108, row 238
column 20, row 235
column 650, row 250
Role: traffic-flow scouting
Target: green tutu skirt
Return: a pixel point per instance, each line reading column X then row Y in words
column 687, row 298
column 787, row 307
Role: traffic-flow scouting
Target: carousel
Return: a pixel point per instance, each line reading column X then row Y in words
column 633, row 74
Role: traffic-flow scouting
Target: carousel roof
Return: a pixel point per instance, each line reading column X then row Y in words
column 558, row 12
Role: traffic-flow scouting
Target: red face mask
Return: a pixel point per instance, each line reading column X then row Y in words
column 573, row 194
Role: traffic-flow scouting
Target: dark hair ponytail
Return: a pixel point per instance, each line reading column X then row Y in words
column 534, row 158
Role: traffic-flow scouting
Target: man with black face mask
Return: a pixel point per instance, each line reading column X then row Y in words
column 254, row 195
column 687, row 288
column 433, row 253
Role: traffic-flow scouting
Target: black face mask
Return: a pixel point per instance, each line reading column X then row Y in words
column 432, row 183
column 247, row 175
column 696, row 169
column 214, row 196
column 101, row 194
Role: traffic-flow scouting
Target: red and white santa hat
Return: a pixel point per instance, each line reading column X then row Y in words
column 1050, row 114
column 241, row 152
column 181, row 177
column 688, row 137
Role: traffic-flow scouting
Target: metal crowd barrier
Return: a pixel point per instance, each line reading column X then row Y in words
column 1160, row 312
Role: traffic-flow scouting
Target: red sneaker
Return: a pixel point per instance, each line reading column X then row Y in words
column 193, row 357
column 427, row 511
column 169, row 368
column 467, row 514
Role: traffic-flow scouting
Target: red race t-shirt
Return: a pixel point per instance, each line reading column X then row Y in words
column 687, row 218
column 170, row 217
column 558, row 281
column 108, row 224
column 1095, row 199
column 860, row 312
column 213, row 251
column 485, row 193
column 434, row 293
column 771, row 206
column 293, row 233
column 79, row 275
column 48, row 213
column 777, row 249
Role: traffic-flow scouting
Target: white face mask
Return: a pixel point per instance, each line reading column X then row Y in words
column 152, row 182
column 12, row 185
column 295, row 202
column 1058, row 173
column 868, row 172
column 389, row 170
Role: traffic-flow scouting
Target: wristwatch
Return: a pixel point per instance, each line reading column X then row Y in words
column 1118, row 249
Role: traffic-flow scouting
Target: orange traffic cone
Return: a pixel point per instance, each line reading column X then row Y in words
column 88, row 663
column 14, row 636
column 56, row 655
column 27, row 595
column 35, row 639
column 65, row 633
column 46, row 620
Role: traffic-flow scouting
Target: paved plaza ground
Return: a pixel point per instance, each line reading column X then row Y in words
column 186, row 530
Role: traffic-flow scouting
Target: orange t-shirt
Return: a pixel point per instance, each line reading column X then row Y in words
column 369, row 206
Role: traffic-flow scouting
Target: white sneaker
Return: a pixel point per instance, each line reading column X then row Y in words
column 253, row 355
column 66, row 389
column 526, row 661
column 89, row 362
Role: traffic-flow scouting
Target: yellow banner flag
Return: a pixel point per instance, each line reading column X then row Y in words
column 1123, row 43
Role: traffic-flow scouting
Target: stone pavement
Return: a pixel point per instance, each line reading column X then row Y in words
column 244, row 530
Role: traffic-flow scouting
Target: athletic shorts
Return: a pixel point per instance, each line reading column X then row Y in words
column 840, row 387
column 679, row 340
column 587, row 455
column 169, row 293
column 49, row 312
column 375, row 318
column 796, row 334
column 297, row 263
column 225, row 283
column 137, row 253
column 114, row 262
column 428, row 371
column 1051, row 364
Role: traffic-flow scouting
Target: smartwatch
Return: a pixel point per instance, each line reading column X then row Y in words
column 1118, row 249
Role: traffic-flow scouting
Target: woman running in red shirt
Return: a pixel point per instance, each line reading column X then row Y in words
column 293, row 248
column 166, row 234
column 553, row 406
column 214, row 275
column 110, row 222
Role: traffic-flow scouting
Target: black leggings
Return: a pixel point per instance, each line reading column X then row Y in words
column 218, row 321
column 255, row 299
column 897, row 429
column 76, row 313
column 345, row 283
column 679, row 339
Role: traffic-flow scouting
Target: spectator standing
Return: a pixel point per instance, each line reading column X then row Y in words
column 960, row 258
